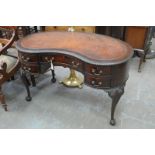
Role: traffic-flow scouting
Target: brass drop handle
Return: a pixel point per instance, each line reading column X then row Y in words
column 99, row 83
column 75, row 64
column 47, row 59
column 94, row 72
column 25, row 59
column 93, row 82
column 27, row 69
column 100, row 71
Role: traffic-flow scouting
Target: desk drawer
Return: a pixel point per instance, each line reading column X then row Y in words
column 97, row 82
column 31, row 67
column 54, row 58
column 35, row 67
column 98, row 70
column 24, row 57
column 73, row 62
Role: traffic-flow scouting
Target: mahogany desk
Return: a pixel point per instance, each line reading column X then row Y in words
column 101, row 59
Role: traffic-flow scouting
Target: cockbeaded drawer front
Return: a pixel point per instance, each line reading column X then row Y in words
column 97, row 82
column 25, row 57
column 73, row 62
column 97, row 70
column 64, row 60
column 54, row 58
column 31, row 67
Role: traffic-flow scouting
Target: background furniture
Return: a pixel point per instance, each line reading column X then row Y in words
column 113, row 31
column 139, row 37
column 102, row 60
column 65, row 28
column 25, row 30
column 9, row 64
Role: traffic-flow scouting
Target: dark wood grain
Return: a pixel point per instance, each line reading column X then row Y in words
column 104, row 61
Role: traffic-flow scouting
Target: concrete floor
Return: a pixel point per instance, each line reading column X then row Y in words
column 55, row 106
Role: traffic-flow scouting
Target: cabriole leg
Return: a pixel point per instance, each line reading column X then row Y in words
column 115, row 95
column 27, row 84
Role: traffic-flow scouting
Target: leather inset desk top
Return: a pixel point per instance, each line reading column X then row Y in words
column 92, row 46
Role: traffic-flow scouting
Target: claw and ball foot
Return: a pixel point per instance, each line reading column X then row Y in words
column 28, row 98
column 115, row 95
column 112, row 122
column 53, row 80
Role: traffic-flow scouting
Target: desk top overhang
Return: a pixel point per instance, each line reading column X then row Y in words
column 90, row 47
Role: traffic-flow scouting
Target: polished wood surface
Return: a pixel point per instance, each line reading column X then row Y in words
column 136, row 36
column 84, row 52
column 94, row 47
column 103, row 61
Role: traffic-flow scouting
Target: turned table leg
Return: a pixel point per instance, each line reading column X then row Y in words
column 27, row 84
column 53, row 73
column 33, row 80
column 53, row 76
column 115, row 95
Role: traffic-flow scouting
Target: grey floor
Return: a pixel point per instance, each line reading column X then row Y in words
column 55, row 106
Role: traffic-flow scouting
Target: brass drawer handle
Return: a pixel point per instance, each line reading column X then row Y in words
column 93, row 82
column 100, row 71
column 27, row 69
column 47, row 59
column 75, row 64
column 94, row 72
column 25, row 59
column 100, row 83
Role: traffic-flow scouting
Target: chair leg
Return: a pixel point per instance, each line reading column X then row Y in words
column 13, row 77
column 144, row 59
column 2, row 99
column 140, row 62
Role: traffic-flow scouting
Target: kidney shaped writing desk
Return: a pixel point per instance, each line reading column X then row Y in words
column 101, row 59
